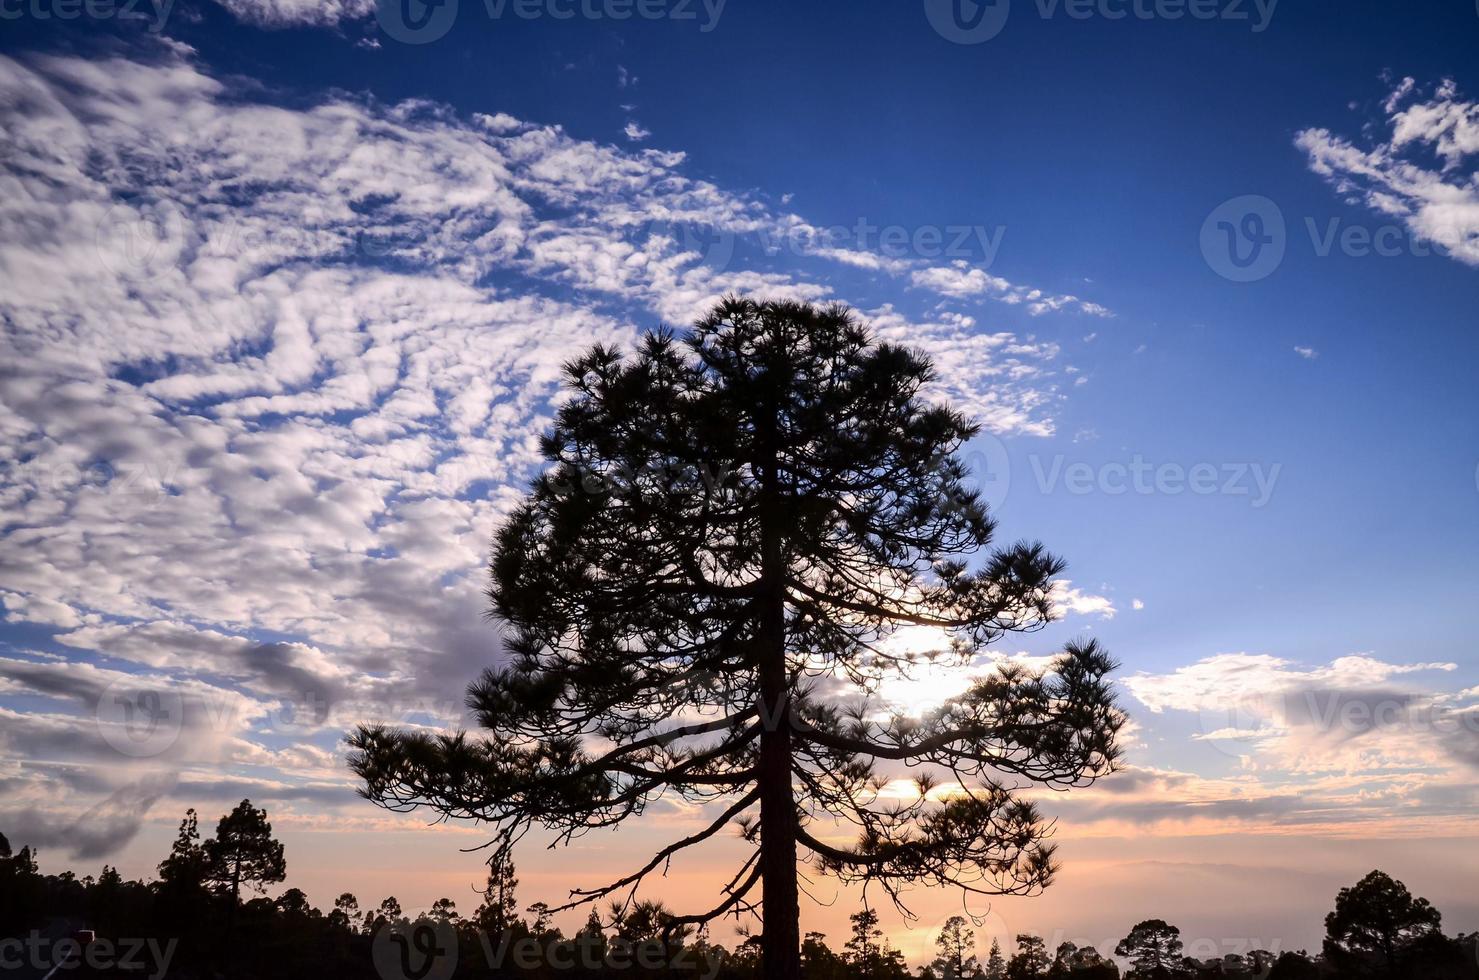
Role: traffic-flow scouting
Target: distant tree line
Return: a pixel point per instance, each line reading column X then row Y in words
column 1377, row 931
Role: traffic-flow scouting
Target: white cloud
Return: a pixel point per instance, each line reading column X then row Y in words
column 1080, row 603
column 960, row 280
column 1353, row 714
column 298, row 13
column 635, row 133
column 1229, row 676
column 285, row 367
column 39, row 609
column 1394, row 178
column 1308, row 353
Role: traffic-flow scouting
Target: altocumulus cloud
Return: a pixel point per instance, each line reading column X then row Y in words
column 1422, row 174
column 271, row 375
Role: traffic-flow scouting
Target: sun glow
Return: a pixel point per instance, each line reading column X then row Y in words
column 937, row 675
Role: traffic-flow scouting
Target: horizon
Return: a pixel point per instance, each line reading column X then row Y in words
column 287, row 288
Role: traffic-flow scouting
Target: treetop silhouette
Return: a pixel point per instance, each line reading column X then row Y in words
column 734, row 521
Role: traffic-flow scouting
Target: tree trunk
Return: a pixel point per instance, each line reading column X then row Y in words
column 780, row 947
column 780, row 941
column 235, row 899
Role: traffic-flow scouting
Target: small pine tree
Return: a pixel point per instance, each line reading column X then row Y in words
column 184, row 871
column 541, row 916
column 1031, row 961
column 591, row 939
column 346, row 911
column 957, row 950
column 243, row 852
column 868, row 952
column 499, row 910
column 996, row 964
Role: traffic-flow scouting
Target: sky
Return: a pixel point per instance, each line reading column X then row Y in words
column 286, row 286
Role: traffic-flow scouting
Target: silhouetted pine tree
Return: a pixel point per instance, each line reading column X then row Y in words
column 996, row 965
column 729, row 517
column 243, row 852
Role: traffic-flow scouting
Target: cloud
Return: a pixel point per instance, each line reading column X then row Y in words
column 105, row 828
column 1308, row 353
column 960, row 280
column 273, row 373
column 635, row 133
column 1079, row 603
column 298, row 13
column 1355, row 716
column 39, row 609
column 1227, row 676
column 1422, row 174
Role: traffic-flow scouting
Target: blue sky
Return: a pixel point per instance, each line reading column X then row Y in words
column 284, row 296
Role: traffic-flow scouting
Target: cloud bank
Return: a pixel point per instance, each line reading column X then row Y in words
column 270, row 375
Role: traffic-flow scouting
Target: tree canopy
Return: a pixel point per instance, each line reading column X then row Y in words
column 1378, row 919
column 1154, row 946
column 734, row 522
